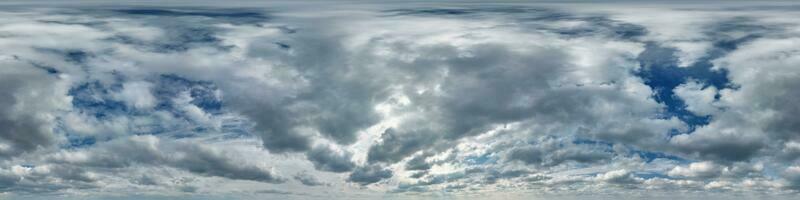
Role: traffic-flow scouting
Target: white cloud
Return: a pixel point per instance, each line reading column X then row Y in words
column 705, row 169
column 137, row 95
column 699, row 100
column 368, row 100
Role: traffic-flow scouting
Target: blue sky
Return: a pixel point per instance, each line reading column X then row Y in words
column 399, row 100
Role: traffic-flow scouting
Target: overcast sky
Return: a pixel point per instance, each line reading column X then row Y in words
column 366, row 100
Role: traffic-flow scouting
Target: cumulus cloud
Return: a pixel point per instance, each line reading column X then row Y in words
column 137, row 95
column 30, row 102
column 550, row 153
column 327, row 159
column 369, row 174
column 618, row 177
column 307, row 179
column 697, row 170
column 398, row 99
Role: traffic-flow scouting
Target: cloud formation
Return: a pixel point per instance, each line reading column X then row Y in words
column 400, row 100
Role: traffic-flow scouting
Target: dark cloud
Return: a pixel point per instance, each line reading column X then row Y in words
column 326, row 159
column 308, row 179
column 24, row 96
column 48, row 179
column 523, row 87
column 334, row 99
column 492, row 176
column 396, row 146
column 555, row 154
column 214, row 163
column 216, row 13
column 370, row 174
column 792, row 177
column 273, row 191
column 460, row 11
column 149, row 150
column 418, row 163
column 727, row 150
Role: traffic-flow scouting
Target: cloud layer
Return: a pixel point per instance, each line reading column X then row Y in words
column 400, row 101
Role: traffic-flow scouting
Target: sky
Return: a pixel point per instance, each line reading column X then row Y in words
column 399, row 100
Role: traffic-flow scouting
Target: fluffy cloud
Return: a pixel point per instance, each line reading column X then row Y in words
column 30, row 102
column 369, row 174
column 698, row 170
column 398, row 100
column 327, row 159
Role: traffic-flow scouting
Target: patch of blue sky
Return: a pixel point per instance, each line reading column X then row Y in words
column 204, row 94
column 650, row 156
column 661, row 72
column 80, row 141
column 480, row 160
column 95, row 99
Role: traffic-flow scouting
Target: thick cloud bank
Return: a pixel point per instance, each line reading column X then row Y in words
column 399, row 100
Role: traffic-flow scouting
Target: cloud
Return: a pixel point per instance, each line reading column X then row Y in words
column 30, row 100
column 326, row 159
column 551, row 152
column 398, row 101
column 366, row 175
column 618, row 177
column 792, row 176
column 698, row 99
column 137, row 95
column 697, row 170
column 308, row 180
column 395, row 146
column 418, row 163
column 150, row 150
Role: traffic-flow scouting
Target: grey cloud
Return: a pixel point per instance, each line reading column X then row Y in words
column 7, row 179
column 551, row 152
column 273, row 191
column 326, row 159
column 146, row 180
column 527, row 155
column 418, row 174
column 418, row 163
column 506, row 96
column 523, row 88
column 46, row 179
column 792, row 177
column 335, row 100
column 396, row 146
column 717, row 148
column 275, row 129
column 70, row 173
column 308, row 179
column 149, row 150
column 370, row 174
column 26, row 96
column 215, row 163
column 492, row 176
